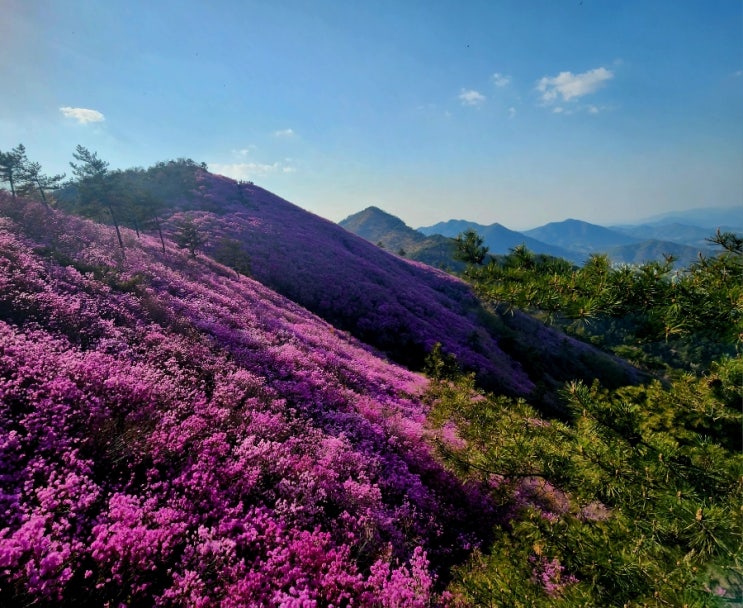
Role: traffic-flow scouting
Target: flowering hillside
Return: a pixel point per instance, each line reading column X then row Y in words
column 172, row 433
column 399, row 306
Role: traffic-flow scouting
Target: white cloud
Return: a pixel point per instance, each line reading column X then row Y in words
column 82, row 115
column 245, row 151
column 249, row 171
column 501, row 80
column 511, row 112
column 470, row 97
column 284, row 133
column 572, row 86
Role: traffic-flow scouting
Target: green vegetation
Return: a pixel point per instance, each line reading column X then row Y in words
column 634, row 498
column 188, row 236
column 634, row 502
column 653, row 315
column 25, row 177
column 470, row 248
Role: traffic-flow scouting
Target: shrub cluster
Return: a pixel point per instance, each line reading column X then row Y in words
column 173, row 434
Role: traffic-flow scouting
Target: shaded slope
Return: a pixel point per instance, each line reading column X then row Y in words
column 173, row 434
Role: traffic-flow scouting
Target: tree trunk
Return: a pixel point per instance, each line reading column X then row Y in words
column 41, row 191
column 118, row 232
column 160, row 232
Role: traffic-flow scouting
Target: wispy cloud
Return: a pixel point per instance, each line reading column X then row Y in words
column 245, row 151
column 284, row 133
column 581, row 109
column 250, row 170
column 511, row 112
column 470, row 97
column 501, row 80
column 569, row 86
column 82, row 115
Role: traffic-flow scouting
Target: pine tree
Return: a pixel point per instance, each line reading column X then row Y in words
column 95, row 188
column 470, row 248
column 34, row 180
column 12, row 165
column 188, row 236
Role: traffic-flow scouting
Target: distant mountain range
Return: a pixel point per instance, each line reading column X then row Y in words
column 579, row 236
column 709, row 217
column 497, row 237
column 575, row 240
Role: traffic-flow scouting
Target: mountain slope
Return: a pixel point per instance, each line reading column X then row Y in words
column 499, row 239
column 174, row 434
column 399, row 306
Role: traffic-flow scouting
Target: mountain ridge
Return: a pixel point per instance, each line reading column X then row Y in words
column 571, row 239
column 499, row 239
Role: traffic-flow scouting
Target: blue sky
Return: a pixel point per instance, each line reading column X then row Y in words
column 520, row 112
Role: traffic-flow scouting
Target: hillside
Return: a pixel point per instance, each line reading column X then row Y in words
column 162, row 413
column 401, row 307
column 173, row 433
column 499, row 239
column 391, row 233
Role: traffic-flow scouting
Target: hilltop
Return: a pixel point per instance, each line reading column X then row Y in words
column 392, row 234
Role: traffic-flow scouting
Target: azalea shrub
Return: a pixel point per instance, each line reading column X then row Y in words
column 174, row 433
